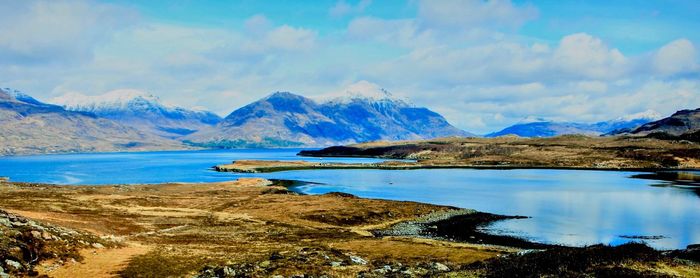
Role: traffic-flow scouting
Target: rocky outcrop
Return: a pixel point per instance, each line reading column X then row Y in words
column 25, row 243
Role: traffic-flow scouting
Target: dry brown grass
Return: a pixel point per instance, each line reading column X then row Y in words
column 189, row 226
column 568, row 151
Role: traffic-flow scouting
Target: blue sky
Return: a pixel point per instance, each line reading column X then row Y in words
column 482, row 64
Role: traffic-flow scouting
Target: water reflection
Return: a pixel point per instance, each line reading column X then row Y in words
column 566, row 206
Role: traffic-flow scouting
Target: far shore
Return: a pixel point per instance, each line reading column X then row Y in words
column 269, row 166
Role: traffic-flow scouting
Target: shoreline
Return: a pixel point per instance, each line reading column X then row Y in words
column 456, row 225
column 179, row 229
column 271, row 166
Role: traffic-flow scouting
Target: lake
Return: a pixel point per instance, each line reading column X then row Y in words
column 570, row 207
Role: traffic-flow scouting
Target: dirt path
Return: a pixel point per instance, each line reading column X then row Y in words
column 97, row 263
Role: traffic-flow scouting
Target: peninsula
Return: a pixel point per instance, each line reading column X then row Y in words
column 566, row 152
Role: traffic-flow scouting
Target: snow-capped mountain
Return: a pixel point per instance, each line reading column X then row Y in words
column 142, row 110
column 682, row 123
column 30, row 126
column 363, row 91
column 539, row 127
column 650, row 115
column 286, row 119
column 21, row 96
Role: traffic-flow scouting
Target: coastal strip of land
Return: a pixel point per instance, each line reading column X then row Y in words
column 246, row 228
column 562, row 152
column 258, row 228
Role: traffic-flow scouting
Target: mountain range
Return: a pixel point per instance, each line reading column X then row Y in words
column 538, row 127
column 31, row 126
column 142, row 111
column 134, row 120
column 684, row 124
column 128, row 120
column 287, row 119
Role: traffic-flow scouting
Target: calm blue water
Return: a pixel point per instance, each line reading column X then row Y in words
column 566, row 206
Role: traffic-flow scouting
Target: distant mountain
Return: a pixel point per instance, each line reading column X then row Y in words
column 683, row 122
column 29, row 126
column 142, row 111
column 287, row 120
column 543, row 128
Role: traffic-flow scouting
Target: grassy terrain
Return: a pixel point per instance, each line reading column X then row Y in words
column 568, row 151
column 254, row 228
column 184, row 229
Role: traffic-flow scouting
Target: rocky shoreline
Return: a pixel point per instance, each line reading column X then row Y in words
column 259, row 228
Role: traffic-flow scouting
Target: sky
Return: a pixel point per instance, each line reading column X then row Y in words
column 484, row 65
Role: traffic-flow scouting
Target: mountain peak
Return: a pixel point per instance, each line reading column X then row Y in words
column 533, row 119
column 20, row 96
column 283, row 95
column 644, row 115
column 363, row 91
column 113, row 100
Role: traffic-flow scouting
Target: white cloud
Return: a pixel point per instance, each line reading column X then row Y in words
column 583, row 54
column 679, row 56
column 290, row 38
column 591, row 86
column 342, row 8
column 474, row 13
column 42, row 32
column 402, row 32
column 463, row 59
column 257, row 24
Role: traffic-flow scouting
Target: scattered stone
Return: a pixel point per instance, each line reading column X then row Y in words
column 276, row 256
column 14, row 265
column 440, row 267
column 336, row 264
column 36, row 234
column 358, row 260
column 98, row 245
column 47, row 236
column 384, row 270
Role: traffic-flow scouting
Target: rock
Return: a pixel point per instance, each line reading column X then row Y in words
column 13, row 265
column 264, row 264
column 15, row 252
column 384, row 270
column 441, row 267
column 358, row 260
column 36, row 234
column 228, row 271
column 276, row 256
column 98, row 245
column 336, row 264
column 46, row 235
column 5, row 222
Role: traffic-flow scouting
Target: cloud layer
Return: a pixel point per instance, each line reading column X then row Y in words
column 468, row 60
